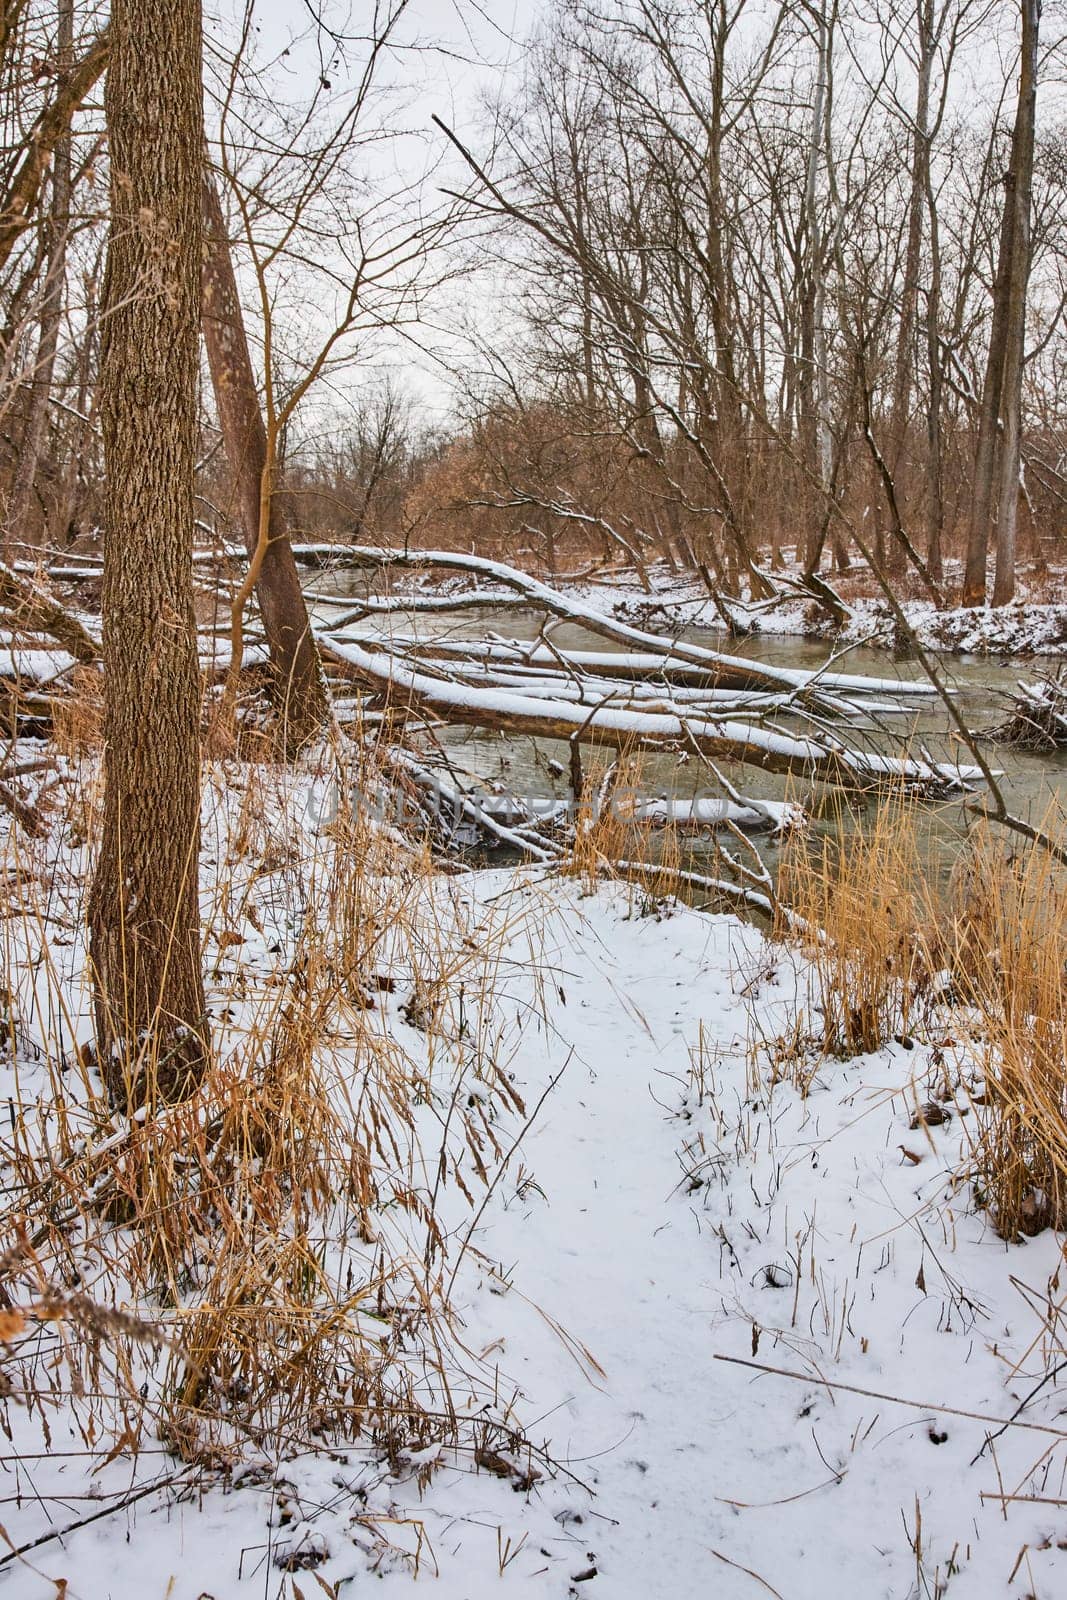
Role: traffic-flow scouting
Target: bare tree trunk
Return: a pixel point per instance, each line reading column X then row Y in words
column 74, row 480
column 1015, row 353
column 935, row 517
column 299, row 685
column 51, row 302
column 17, row 204
column 816, row 375
column 151, row 1025
column 909, row 302
column 996, row 466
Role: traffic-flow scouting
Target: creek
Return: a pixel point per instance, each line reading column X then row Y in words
column 535, row 769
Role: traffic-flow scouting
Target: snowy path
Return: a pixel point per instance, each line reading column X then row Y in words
column 654, row 1281
column 815, row 1241
column 620, row 1267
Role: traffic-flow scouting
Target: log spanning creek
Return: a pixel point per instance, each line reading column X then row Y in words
column 510, row 689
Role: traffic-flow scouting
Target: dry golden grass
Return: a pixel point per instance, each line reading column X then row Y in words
column 612, row 840
column 1006, row 948
column 78, row 715
column 889, row 944
column 277, row 1234
column 864, row 894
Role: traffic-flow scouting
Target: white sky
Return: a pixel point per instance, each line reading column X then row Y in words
column 449, row 55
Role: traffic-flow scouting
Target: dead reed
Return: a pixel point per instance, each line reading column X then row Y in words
column 893, row 950
column 1007, row 953
column 616, row 837
column 268, row 1257
column 863, row 894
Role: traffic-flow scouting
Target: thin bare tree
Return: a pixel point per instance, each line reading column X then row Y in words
column 299, row 687
column 995, row 493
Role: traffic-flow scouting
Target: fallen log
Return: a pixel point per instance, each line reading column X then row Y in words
column 32, row 607
column 636, row 665
column 727, row 671
column 821, row 759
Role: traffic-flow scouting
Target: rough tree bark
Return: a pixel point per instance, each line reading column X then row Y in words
column 996, row 462
column 299, row 686
column 51, row 314
column 152, row 1033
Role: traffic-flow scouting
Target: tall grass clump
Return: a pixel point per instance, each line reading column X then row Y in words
column 1007, row 953
column 276, row 1247
column 860, row 899
column 888, row 948
column 616, row 837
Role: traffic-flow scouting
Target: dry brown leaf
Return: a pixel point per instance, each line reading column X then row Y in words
column 12, row 1323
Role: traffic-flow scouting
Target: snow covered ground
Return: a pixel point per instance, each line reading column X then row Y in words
column 665, row 1204
column 1026, row 627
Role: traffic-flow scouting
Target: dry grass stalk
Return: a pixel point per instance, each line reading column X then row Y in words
column 866, row 891
column 78, row 715
column 893, row 945
column 280, row 1231
column 1008, row 958
column 611, row 833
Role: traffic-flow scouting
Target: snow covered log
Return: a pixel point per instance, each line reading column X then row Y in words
column 816, row 759
column 727, row 671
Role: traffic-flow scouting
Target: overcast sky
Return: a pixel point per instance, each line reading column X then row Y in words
column 449, row 55
column 477, row 40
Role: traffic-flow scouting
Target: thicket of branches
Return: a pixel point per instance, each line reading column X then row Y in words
column 769, row 283
column 781, row 281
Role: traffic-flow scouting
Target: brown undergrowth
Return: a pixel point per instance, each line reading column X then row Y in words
column 1007, row 952
column 613, row 839
column 862, row 896
column 269, row 1257
column 975, row 967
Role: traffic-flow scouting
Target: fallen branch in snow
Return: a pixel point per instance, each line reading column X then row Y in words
column 121, row 1503
column 474, row 809
column 893, row 1399
column 663, row 665
column 720, row 894
column 728, row 671
column 817, row 759
column 378, row 606
column 30, row 606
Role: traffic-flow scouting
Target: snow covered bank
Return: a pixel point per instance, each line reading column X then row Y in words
column 1026, row 627
column 663, row 1199
column 1029, row 626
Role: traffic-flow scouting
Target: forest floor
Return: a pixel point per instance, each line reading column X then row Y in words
column 678, row 1185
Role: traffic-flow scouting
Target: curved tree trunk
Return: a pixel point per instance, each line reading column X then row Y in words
column 299, row 685
column 51, row 305
column 152, row 1034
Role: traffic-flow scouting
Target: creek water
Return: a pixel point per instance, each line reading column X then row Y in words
column 1034, row 785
